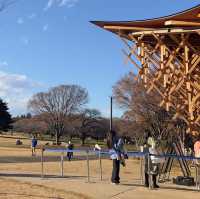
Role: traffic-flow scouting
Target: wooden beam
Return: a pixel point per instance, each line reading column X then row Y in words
column 126, row 28
column 132, row 49
column 193, row 66
column 172, row 71
column 131, row 60
column 166, row 31
column 181, row 23
column 186, row 59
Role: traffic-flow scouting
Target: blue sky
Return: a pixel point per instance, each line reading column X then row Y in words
column 45, row 43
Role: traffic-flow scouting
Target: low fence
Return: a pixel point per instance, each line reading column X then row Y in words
column 88, row 153
column 105, row 154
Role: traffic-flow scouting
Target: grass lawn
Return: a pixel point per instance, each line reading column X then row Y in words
column 8, row 140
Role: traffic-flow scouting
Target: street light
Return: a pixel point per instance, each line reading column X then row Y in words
column 111, row 113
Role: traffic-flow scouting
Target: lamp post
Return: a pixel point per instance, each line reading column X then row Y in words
column 111, row 113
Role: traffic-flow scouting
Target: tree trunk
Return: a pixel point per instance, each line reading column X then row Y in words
column 59, row 131
column 71, row 137
column 136, row 143
column 83, row 140
column 57, row 137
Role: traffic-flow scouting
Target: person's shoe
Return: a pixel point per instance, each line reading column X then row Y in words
column 115, row 183
column 146, row 185
column 156, row 186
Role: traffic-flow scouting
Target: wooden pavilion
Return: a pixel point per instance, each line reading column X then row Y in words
column 168, row 54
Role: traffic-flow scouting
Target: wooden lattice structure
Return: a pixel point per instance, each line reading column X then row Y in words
column 167, row 50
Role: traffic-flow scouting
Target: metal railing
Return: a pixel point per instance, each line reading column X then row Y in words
column 99, row 154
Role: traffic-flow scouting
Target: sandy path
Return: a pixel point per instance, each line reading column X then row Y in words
column 75, row 181
column 17, row 189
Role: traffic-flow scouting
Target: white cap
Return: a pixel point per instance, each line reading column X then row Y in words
column 97, row 147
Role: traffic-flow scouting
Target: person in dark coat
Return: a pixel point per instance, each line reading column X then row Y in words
column 146, row 175
column 33, row 146
column 70, row 146
column 117, row 154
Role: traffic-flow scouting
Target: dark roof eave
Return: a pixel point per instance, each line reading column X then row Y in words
column 189, row 14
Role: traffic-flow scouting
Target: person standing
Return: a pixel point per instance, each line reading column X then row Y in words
column 33, row 145
column 155, row 161
column 197, row 148
column 150, row 148
column 70, row 147
column 118, row 154
column 146, row 175
column 197, row 161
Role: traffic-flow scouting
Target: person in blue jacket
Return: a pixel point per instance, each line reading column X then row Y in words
column 117, row 154
column 33, row 145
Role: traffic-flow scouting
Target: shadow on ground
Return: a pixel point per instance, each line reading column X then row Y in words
column 165, row 187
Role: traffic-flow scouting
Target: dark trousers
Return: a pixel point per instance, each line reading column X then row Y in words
column 115, row 172
column 147, row 180
column 69, row 155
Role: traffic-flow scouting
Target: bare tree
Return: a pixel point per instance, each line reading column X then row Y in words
column 141, row 108
column 89, row 121
column 58, row 103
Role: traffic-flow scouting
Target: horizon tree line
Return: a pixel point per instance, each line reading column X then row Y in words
column 61, row 111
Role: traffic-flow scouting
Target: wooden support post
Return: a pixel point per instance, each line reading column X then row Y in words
column 188, row 84
column 144, row 65
column 170, row 66
column 167, row 106
column 162, row 53
column 186, row 50
column 165, row 80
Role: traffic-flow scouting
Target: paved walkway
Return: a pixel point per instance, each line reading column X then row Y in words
column 103, row 189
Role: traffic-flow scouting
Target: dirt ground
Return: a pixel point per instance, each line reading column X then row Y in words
column 21, row 180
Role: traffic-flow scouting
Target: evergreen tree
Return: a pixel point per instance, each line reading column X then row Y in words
column 5, row 117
